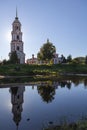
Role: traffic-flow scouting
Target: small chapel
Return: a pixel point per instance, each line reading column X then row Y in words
column 17, row 44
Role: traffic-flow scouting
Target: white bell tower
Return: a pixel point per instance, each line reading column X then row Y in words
column 17, row 43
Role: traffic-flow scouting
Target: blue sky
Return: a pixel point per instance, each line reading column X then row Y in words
column 64, row 22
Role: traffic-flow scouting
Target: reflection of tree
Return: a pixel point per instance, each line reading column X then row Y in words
column 62, row 84
column 47, row 92
column 76, row 81
column 65, row 83
column 85, row 83
column 68, row 85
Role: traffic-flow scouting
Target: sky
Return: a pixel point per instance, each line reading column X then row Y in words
column 64, row 22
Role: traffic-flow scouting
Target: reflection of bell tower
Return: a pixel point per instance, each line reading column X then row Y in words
column 17, row 101
column 17, row 43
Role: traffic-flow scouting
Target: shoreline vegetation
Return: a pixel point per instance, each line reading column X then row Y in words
column 17, row 70
column 18, row 73
column 79, row 125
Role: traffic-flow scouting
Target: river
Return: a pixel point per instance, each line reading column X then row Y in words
column 37, row 105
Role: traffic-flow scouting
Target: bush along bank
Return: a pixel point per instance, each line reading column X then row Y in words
column 46, row 70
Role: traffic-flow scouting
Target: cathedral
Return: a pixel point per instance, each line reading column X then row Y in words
column 16, row 42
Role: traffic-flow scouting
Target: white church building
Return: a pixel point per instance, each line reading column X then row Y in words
column 16, row 42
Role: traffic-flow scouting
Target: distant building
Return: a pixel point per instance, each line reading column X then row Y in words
column 57, row 59
column 32, row 60
column 17, row 43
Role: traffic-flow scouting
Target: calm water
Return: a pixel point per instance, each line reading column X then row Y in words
column 32, row 107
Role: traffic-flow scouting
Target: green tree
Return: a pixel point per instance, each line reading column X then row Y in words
column 86, row 60
column 63, row 58
column 14, row 58
column 69, row 58
column 4, row 62
column 46, row 52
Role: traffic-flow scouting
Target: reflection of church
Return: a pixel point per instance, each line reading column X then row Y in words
column 17, row 101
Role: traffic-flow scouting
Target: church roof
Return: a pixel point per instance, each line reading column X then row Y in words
column 16, row 18
column 16, row 21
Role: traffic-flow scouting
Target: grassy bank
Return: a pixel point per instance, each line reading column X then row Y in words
column 30, row 70
column 80, row 125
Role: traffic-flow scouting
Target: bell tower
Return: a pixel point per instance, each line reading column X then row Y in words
column 17, row 43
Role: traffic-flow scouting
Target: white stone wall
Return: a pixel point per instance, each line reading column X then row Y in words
column 17, row 43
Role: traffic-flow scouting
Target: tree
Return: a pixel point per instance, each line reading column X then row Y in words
column 63, row 58
column 69, row 58
column 14, row 58
column 4, row 62
column 86, row 60
column 46, row 52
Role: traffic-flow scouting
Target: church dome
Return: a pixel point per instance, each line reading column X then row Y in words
column 16, row 21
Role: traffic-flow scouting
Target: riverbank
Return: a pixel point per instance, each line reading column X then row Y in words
column 80, row 125
column 43, row 70
column 34, row 73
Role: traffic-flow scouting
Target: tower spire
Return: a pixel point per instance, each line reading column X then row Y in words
column 16, row 13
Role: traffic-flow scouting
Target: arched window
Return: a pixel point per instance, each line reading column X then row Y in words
column 18, row 96
column 17, row 27
column 18, row 48
column 17, row 37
